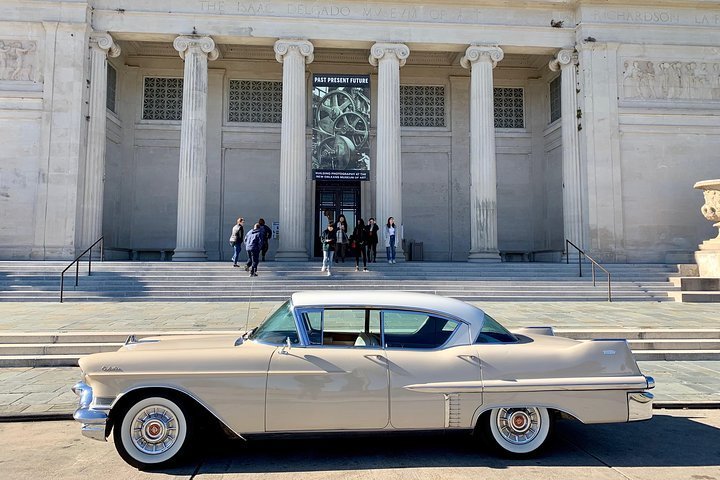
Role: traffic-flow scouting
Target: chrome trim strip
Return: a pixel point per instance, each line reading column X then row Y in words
column 534, row 385
column 650, row 382
column 447, row 410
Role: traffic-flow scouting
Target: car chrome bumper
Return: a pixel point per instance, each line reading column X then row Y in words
column 93, row 421
column 640, row 404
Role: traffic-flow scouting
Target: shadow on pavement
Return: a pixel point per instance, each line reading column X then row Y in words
column 664, row 441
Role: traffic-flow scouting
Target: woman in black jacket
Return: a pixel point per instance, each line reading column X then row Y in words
column 372, row 236
column 359, row 238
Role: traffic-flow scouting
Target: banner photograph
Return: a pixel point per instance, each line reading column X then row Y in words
column 341, row 127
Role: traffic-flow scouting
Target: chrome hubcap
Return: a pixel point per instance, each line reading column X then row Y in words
column 518, row 425
column 154, row 430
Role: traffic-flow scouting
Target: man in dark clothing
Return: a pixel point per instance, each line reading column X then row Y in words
column 254, row 241
column 267, row 234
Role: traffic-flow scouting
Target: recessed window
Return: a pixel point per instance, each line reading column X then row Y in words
column 422, row 105
column 416, row 330
column 509, row 106
column 162, row 98
column 111, row 88
column 555, row 99
column 255, row 101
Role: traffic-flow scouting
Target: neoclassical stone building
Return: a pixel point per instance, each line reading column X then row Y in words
column 491, row 128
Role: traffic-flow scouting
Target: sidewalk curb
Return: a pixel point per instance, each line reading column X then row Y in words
column 55, row 417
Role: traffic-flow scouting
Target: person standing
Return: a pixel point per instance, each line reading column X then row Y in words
column 327, row 238
column 254, row 241
column 392, row 239
column 359, row 238
column 236, row 240
column 267, row 235
column 372, row 239
column 341, row 239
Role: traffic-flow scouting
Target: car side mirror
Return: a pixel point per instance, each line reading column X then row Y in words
column 286, row 347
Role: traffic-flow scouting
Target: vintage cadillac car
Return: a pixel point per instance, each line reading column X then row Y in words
column 357, row 361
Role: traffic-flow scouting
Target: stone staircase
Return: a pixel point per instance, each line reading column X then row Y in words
column 55, row 349
column 215, row 281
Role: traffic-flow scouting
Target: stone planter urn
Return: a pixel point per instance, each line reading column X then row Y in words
column 708, row 257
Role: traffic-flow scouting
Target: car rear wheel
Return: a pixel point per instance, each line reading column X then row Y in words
column 518, row 431
column 154, row 432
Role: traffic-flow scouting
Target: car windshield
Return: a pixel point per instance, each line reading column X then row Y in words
column 279, row 326
column 493, row 332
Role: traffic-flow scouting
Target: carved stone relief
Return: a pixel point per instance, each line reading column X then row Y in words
column 17, row 60
column 671, row 80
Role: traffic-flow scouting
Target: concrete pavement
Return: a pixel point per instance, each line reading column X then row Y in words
column 674, row 445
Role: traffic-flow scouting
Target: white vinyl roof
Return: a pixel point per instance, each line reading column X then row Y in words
column 390, row 299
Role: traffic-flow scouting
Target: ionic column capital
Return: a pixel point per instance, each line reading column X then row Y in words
column 103, row 41
column 287, row 46
column 204, row 44
column 565, row 57
column 400, row 51
column 482, row 53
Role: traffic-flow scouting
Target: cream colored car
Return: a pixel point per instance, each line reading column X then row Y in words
column 357, row 361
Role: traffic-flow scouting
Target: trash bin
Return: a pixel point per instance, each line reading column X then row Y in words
column 417, row 252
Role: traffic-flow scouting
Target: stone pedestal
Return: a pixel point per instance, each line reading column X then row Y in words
column 101, row 46
column 294, row 55
column 483, row 171
column 708, row 257
column 192, row 177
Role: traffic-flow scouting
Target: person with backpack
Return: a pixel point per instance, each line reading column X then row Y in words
column 236, row 240
column 254, row 241
column 267, row 234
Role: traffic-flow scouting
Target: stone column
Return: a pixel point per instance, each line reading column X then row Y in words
column 566, row 61
column 294, row 54
column 388, row 57
column 481, row 60
column 101, row 46
column 192, row 177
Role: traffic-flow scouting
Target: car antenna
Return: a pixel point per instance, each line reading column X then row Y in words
column 247, row 316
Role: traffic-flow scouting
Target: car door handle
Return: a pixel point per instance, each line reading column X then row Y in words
column 378, row 358
column 471, row 358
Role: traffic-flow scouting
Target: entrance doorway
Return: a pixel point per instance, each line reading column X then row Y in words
column 332, row 200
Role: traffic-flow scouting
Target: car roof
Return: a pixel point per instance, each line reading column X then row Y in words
column 389, row 299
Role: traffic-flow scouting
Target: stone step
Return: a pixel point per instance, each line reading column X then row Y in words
column 696, row 284
column 676, row 355
column 52, row 349
column 695, row 297
column 640, row 334
column 675, row 344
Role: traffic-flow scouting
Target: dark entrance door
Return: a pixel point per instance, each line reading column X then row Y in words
column 333, row 200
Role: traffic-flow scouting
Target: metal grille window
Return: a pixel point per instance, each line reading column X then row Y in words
column 422, row 106
column 555, row 105
column 162, row 98
column 111, row 88
column 509, row 107
column 255, row 101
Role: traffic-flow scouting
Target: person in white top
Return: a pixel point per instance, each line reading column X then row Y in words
column 392, row 239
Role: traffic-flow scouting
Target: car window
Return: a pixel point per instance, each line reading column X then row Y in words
column 416, row 329
column 343, row 327
column 277, row 327
column 493, row 332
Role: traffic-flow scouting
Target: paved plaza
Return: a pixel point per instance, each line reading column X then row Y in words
column 45, row 391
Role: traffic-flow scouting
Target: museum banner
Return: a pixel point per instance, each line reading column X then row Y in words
column 341, row 127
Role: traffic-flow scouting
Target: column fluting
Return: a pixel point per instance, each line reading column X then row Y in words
column 192, row 176
column 566, row 61
column 481, row 60
column 101, row 46
column 388, row 57
column 294, row 54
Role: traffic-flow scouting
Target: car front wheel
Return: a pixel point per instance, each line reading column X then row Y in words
column 154, row 432
column 518, row 431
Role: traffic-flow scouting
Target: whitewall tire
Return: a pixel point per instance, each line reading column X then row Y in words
column 154, row 432
column 518, row 431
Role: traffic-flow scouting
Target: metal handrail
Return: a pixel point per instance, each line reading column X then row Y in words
column 76, row 262
column 594, row 264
